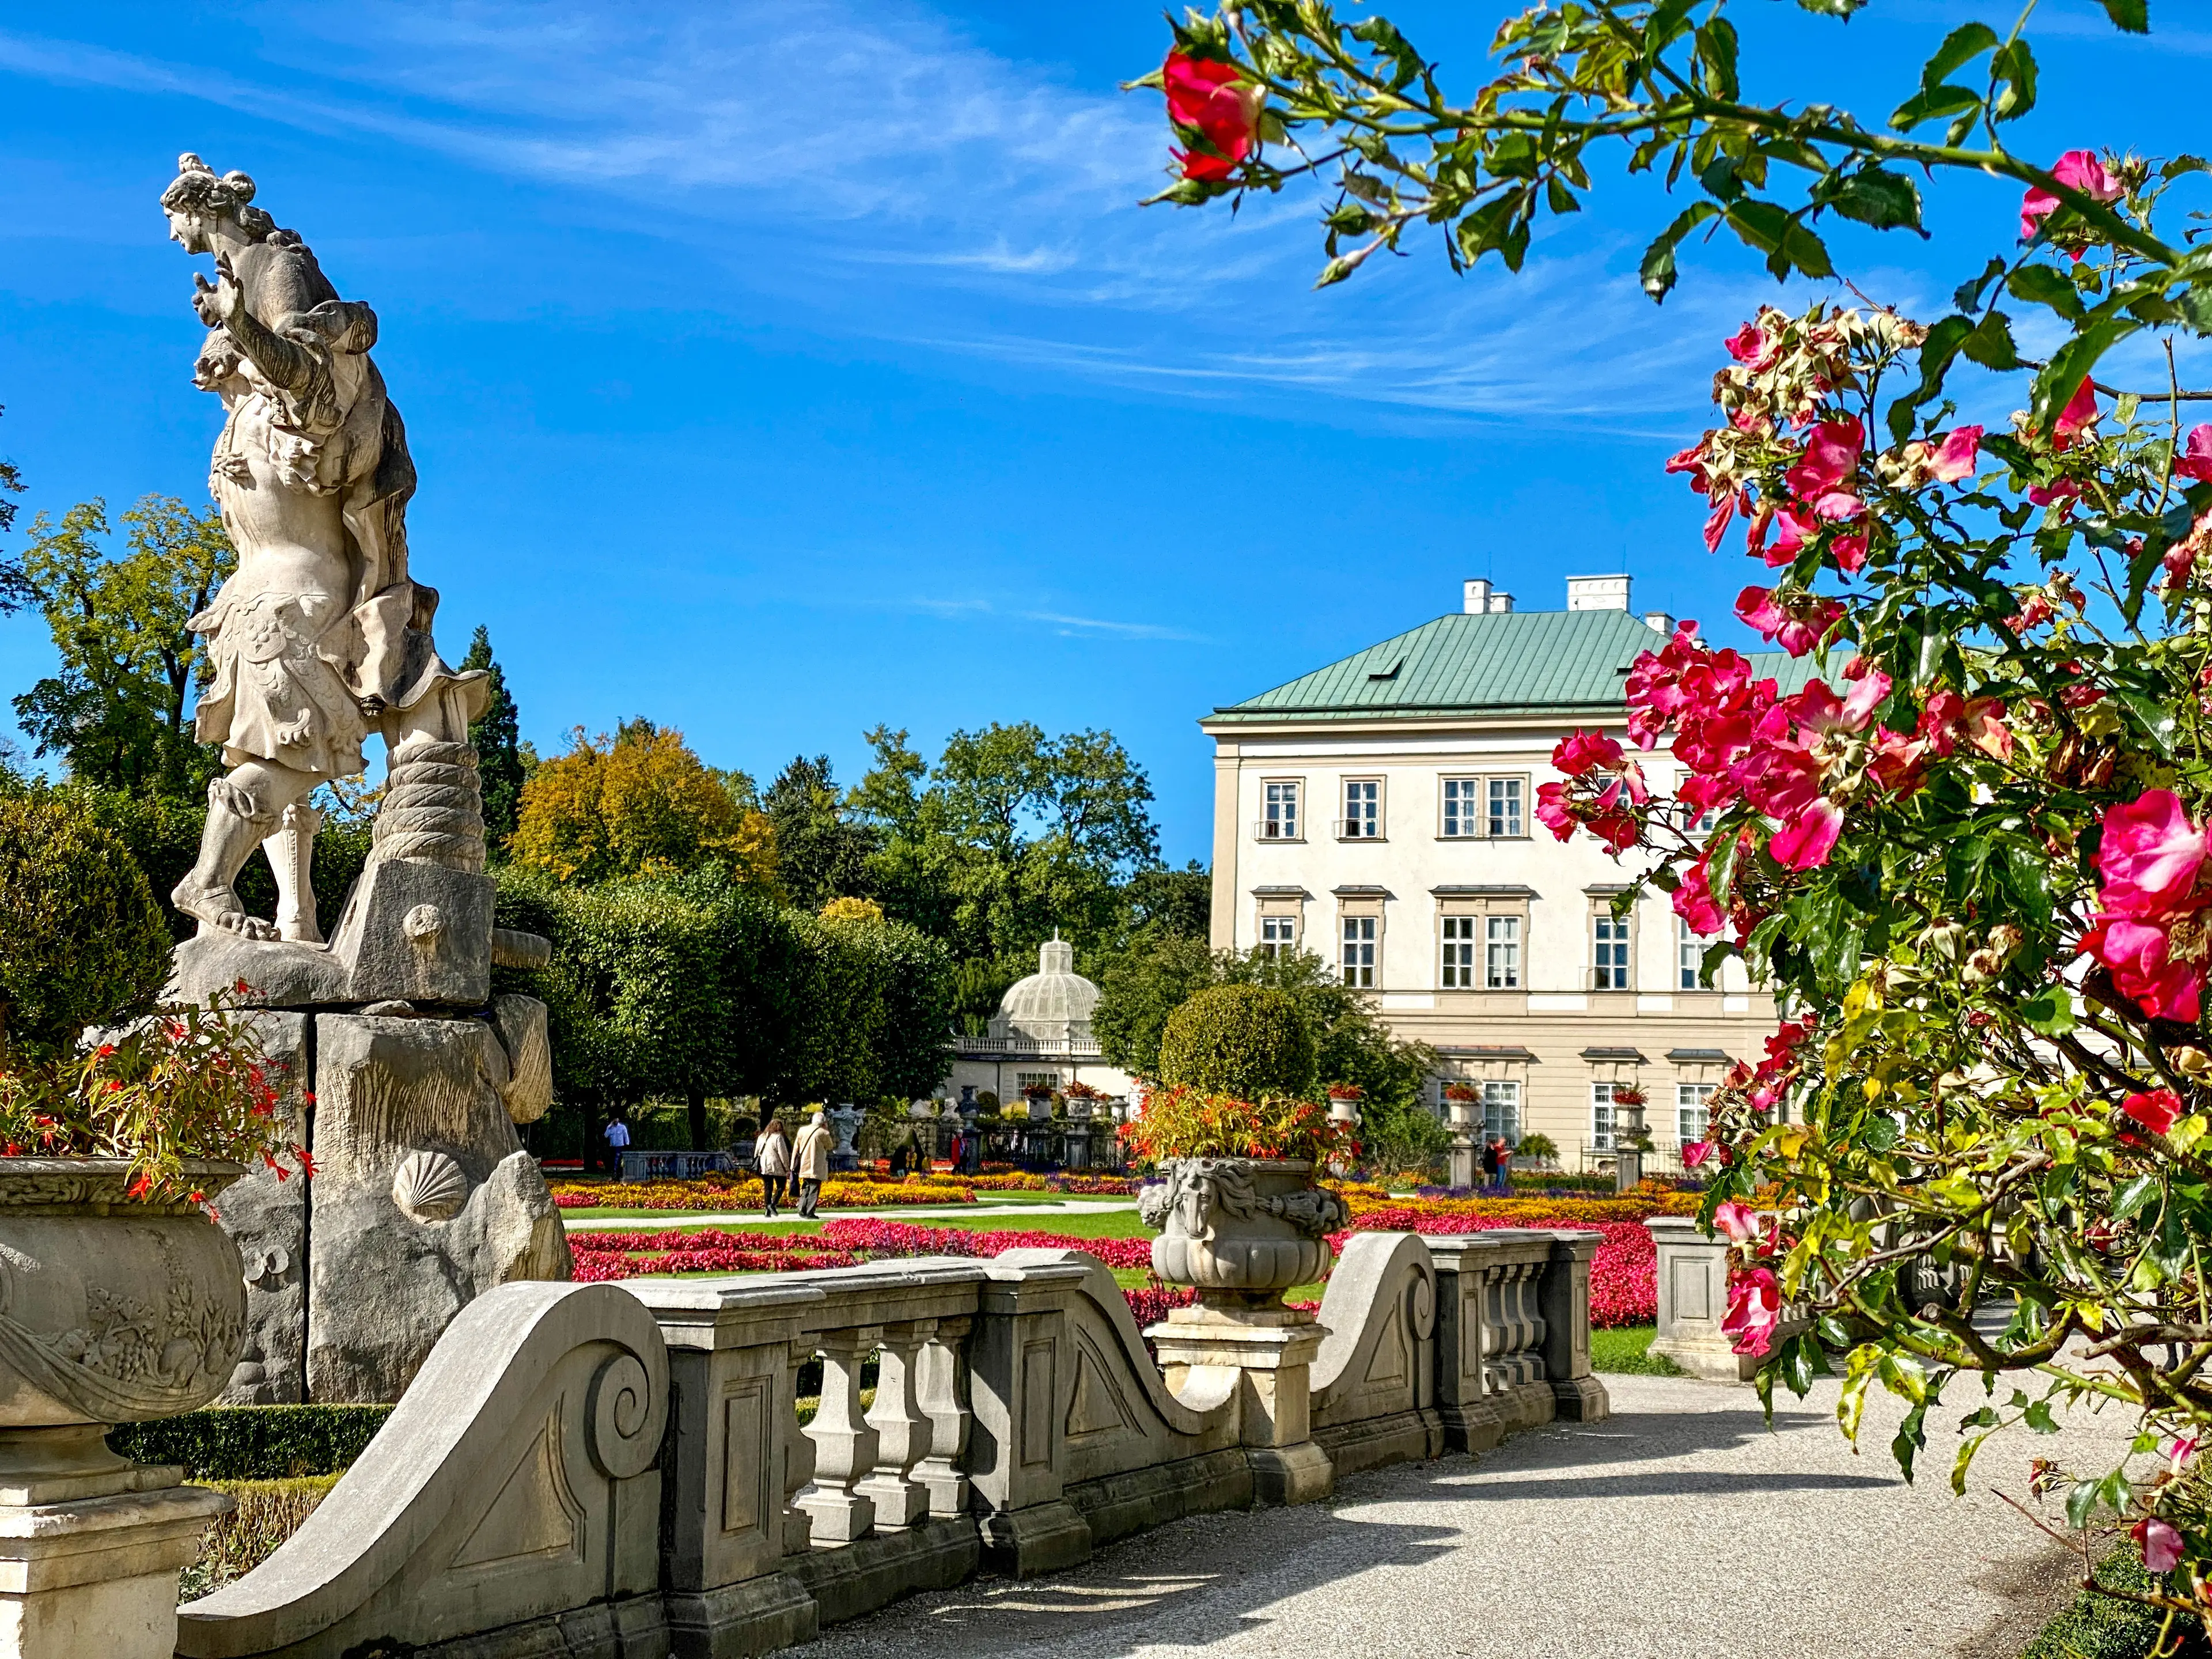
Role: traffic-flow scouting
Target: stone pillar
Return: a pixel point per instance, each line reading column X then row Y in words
column 1472, row 1420
column 1563, row 1298
column 1693, row 1272
column 1019, row 1363
column 735, row 1458
column 942, row 1399
column 1267, row 1355
column 844, row 1442
column 1627, row 1167
column 902, row 1426
column 91, row 1546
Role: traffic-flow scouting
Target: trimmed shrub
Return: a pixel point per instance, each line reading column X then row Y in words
column 254, row 1443
column 81, row 940
column 1241, row 1040
column 268, row 1513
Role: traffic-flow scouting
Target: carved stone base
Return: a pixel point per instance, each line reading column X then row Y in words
column 738, row 1621
column 1290, row 1474
column 1412, row 1437
column 854, row 1579
column 1581, row 1400
column 1475, row 1428
column 97, row 1575
column 1042, row 1538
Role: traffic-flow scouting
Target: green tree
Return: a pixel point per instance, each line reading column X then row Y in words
column 81, row 940
column 1174, row 904
column 1139, row 988
column 117, row 713
column 1247, row 1040
column 497, row 738
column 15, row 590
column 822, row 848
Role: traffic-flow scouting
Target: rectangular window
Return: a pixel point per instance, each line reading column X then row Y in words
column 1363, row 810
column 1689, row 957
column 1691, row 1112
column 1501, row 962
column 1279, row 935
column 1460, row 807
column 1359, row 952
column 1459, row 952
column 1025, row 1081
column 1608, row 953
column 1600, row 1117
column 1280, row 819
column 1501, row 1111
column 1504, row 807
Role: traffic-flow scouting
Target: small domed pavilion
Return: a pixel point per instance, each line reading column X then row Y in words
column 1040, row 1035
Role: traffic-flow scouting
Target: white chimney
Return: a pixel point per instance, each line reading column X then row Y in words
column 1500, row 603
column 1597, row 592
column 1478, row 595
column 1659, row 622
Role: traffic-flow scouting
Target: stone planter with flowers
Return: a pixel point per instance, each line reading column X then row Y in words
column 120, row 1301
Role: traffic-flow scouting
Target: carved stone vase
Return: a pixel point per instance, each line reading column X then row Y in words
column 110, row 1311
column 1241, row 1230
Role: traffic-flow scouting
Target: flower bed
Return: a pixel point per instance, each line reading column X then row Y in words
column 602, row 1256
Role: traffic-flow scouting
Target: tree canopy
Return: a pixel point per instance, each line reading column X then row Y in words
column 640, row 803
column 117, row 712
column 496, row 737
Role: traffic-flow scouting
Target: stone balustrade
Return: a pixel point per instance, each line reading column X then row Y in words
column 610, row 1470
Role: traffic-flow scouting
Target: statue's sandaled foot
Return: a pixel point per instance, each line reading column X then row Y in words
column 216, row 910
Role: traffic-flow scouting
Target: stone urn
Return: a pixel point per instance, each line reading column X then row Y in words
column 111, row 1310
column 1241, row 1230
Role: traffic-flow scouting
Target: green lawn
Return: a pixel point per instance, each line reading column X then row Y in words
column 2098, row 1627
column 1627, row 1348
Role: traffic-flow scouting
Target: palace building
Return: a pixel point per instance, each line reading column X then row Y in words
column 1380, row 811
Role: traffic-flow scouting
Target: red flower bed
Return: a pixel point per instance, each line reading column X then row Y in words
column 839, row 1245
column 1624, row 1278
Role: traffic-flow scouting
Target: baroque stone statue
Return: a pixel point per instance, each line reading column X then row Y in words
column 320, row 636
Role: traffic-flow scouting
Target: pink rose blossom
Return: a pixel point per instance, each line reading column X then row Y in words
column 1752, row 347
column 1753, row 1310
column 1740, row 1222
column 1695, row 1153
column 1956, row 456
column 1807, row 840
column 1832, row 455
column 2150, row 853
column 1796, row 631
column 2195, row 461
column 2136, row 953
column 2157, row 1111
column 2160, row 1543
column 2077, row 169
column 2081, row 412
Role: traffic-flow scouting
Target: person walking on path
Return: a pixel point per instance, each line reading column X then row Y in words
column 617, row 1136
column 772, row 1157
column 1504, row 1168
column 811, row 1156
column 1490, row 1164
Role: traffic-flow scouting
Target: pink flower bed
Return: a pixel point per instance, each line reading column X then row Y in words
column 1624, row 1278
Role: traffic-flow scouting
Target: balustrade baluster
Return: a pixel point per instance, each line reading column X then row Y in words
column 903, row 1428
column 943, row 1401
column 845, row 1443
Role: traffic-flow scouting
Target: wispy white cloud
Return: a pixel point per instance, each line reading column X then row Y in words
column 980, row 610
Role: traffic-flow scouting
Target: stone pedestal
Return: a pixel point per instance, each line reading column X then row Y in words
column 90, row 1547
column 1627, row 1167
column 1266, row 1355
column 1464, row 1166
column 1693, row 1272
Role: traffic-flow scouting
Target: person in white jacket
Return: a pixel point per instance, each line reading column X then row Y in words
column 811, row 1156
column 772, row 1157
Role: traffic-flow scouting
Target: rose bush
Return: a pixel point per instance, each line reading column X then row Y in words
column 1962, row 837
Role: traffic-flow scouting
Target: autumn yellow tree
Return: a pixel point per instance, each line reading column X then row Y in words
column 639, row 804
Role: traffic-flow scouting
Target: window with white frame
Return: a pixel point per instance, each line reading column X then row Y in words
column 1608, row 952
column 1692, row 1110
column 1501, row 1111
column 1462, row 812
column 1363, row 810
column 1601, row 1118
column 1360, row 951
column 1279, row 935
column 1459, row 945
column 1504, row 807
column 1025, row 1081
column 1279, row 819
column 1501, row 953
column 1689, row 957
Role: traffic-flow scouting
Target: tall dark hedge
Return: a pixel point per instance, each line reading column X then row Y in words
column 81, row 940
column 697, row 988
column 1241, row 1040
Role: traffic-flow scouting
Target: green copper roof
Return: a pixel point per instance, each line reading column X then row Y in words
column 1502, row 663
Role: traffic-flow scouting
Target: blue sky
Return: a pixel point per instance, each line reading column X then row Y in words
column 775, row 370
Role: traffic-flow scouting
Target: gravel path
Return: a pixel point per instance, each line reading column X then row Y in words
column 1680, row 1528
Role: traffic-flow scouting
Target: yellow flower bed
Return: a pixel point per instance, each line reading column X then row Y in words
column 718, row 1193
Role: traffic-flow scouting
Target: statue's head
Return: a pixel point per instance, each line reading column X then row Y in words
column 198, row 200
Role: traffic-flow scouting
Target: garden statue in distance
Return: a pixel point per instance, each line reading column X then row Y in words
column 406, row 1076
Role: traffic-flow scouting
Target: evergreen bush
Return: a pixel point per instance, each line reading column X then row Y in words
column 1241, row 1040
column 81, row 940
column 254, row 1443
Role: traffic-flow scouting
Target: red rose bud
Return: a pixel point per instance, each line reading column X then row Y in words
column 2157, row 1111
column 1210, row 98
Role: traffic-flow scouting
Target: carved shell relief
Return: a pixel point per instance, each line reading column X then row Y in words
column 429, row 1187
